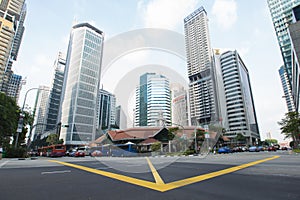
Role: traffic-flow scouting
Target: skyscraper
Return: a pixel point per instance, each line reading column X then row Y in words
column 203, row 103
column 12, row 16
column 281, row 14
column 40, row 110
column 153, row 103
column 107, row 110
column 14, row 86
column 53, row 114
column 286, row 89
column 294, row 32
column 235, row 95
column 81, row 84
column 180, row 114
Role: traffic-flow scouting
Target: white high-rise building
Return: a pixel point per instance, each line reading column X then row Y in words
column 203, row 104
column 180, row 114
column 237, row 109
column 153, row 102
column 40, row 108
column 81, row 84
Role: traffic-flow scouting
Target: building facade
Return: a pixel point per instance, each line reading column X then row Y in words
column 107, row 110
column 180, row 114
column 40, row 110
column 236, row 99
column 53, row 114
column 282, row 16
column 12, row 16
column 14, row 86
column 294, row 33
column 81, row 84
column 202, row 96
column 153, row 101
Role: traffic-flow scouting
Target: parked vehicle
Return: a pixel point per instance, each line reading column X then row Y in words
column 271, row 148
column 224, row 150
column 237, row 149
column 79, row 153
column 96, row 153
column 253, row 149
column 261, row 148
column 284, row 148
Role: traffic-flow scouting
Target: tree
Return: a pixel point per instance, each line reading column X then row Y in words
column 8, row 118
column 271, row 141
column 52, row 139
column 290, row 126
column 172, row 132
column 240, row 138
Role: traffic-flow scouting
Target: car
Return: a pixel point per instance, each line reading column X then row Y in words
column 253, row 149
column 245, row 148
column 284, row 148
column 96, row 153
column 237, row 149
column 71, row 152
column 224, row 150
column 272, row 148
column 261, row 148
column 79, row 153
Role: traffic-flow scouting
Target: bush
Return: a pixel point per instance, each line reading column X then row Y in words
column 189, row 152
column 296, row 150
column 13, row 152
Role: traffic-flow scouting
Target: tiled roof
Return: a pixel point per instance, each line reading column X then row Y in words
column 149, row 141
column 134, row 133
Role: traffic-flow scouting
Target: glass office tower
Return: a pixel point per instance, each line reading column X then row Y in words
column 81, row 84
column 282, row 15
column 153, row 101
column 53, row 114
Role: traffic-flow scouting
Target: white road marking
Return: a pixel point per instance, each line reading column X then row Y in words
column 56, row 172
column 4, row 163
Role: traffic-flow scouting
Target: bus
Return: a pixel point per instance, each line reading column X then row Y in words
column 57, row 150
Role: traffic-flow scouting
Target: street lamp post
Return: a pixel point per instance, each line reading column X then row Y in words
column 21, row 118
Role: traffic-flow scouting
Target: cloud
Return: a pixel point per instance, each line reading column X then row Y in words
column 166, row 14
column 225, row 12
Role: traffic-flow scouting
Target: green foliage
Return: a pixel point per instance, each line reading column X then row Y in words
column 271, row 141
column 290, row 126
column 8, row 118
column 189, row 152
column 296, row 150
column 12, row 152
column 53, row 139
column 172, row 132
column 239, row 137
column 156, row 146
column 38, row 143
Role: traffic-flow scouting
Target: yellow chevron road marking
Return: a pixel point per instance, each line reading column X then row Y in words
column 159, row 184
column 156, row 176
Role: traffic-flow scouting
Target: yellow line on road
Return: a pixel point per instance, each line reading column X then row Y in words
column 156, row 176
column 119, row 177
column 203, row 177
column 159, row 184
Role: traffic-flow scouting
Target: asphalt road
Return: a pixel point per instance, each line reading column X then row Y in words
column 214, row 177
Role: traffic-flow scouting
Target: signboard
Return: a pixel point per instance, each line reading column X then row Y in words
column 20, row 124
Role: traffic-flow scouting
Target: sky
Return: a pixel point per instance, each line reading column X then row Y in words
column 233, row 24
